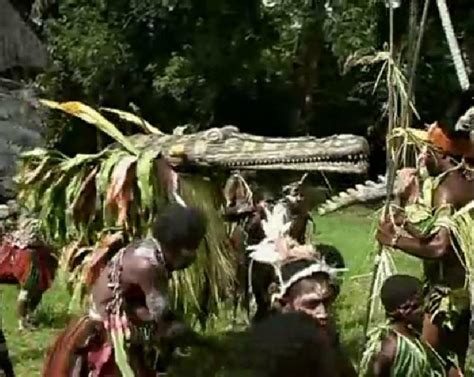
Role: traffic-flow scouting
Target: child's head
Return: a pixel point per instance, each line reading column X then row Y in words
column 402, row 298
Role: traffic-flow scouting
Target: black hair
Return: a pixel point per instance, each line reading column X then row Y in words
column 398, row 289
column 179, row 227
column 332, row 256
column 286, row 344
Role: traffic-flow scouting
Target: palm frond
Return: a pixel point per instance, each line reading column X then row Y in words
column 93, row 117
column 132, row 118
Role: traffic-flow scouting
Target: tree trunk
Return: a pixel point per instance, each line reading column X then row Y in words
column 306, row 64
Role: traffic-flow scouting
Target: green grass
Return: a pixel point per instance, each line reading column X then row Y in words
column 351, row 231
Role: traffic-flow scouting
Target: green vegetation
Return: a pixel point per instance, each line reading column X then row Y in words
column 269, row 67
column 350, row 231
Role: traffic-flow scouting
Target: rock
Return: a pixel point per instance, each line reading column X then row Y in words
column 4, row 211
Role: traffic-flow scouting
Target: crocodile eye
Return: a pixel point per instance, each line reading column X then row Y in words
column 214, row 135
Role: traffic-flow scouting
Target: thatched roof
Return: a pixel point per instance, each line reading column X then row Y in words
column 19, row 46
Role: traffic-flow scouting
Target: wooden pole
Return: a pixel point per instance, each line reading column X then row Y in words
column 391, row 170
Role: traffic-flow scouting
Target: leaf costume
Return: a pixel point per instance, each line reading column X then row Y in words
column 441, row 298
column 447, row 306
column 413, row 358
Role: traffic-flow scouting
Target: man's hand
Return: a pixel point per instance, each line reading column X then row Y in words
column 398, row 217
column 246, row 209
column 385, row 232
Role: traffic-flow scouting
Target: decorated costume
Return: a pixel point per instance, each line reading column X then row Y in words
column 27, row 260
column 447, row 306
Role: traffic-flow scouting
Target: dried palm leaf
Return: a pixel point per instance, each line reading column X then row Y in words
column 120, row 191
column 93, row 117
column 132, row 118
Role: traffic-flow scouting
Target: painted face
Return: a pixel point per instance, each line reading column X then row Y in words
column 317, row 301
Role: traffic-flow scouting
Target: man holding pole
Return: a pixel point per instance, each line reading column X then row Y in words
column 439, row 230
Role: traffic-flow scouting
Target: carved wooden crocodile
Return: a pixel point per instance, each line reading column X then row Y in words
column 229, row 148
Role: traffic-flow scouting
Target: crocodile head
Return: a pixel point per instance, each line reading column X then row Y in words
column 229, row 148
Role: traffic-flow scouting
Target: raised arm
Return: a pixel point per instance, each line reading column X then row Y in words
column 434, row 246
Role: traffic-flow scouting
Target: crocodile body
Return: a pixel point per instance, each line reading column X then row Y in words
column 229, row 148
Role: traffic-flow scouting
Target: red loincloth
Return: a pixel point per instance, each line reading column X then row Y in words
column 88, row 337
column 32, row 268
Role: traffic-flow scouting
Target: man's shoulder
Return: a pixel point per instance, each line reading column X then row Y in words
column 144, row 251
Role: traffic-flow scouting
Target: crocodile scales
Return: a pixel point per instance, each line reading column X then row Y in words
column 229, row 148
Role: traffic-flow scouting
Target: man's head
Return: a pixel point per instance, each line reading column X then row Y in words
column 312, row 294
column 289, row 344
column 179, row 230
column 402, row 299
column 446, row 145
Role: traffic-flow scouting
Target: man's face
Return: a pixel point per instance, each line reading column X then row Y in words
column 431, row 159
column 315, row 298
column 185, row 256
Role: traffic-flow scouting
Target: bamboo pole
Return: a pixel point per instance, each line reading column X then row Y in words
column 391, row 169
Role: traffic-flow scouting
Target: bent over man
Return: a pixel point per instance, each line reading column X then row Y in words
column 130, row 315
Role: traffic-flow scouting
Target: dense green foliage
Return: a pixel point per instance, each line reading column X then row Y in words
column 271, row 67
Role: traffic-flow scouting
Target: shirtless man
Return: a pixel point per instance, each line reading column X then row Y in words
column 305, row 284
column 443, row 268
column 134, row 288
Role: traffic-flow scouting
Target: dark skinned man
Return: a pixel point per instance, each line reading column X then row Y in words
column 130, row 313
column 306, row 284
column 435, row 239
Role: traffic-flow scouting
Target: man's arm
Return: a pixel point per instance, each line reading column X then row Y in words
column 153, row 282
column 382, row 363
column 433, row 247
column 235, row 213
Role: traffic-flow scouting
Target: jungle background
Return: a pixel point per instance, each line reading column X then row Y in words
column 274, row 68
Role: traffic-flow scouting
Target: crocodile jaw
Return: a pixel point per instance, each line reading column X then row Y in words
column 359, row 166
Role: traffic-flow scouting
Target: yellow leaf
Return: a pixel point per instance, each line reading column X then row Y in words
column 132, row 118
column 93, row 117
